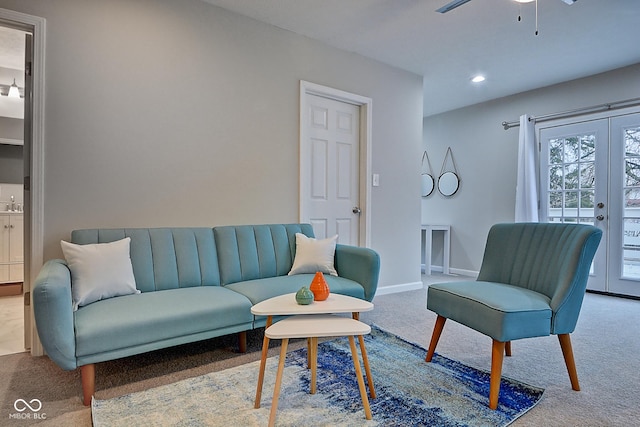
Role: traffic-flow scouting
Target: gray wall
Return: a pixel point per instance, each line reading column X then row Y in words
column 486, row 155
column 167, row 113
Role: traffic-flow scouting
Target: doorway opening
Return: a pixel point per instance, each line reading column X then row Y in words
column 32, row 182
column 12, row 119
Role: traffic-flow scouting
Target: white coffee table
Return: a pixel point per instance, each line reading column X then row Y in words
column 313, row 326
column 284, row 305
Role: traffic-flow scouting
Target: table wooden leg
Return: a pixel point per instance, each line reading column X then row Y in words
column 356, row 365
column 276, row 389
column 263, row 363
column 314, row 363
column 367, row 368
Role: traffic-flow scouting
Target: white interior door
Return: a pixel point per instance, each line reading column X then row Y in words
column 331, row 168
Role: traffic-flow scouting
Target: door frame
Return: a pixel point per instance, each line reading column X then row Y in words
column 607, row 115
column 364, row 162
column 34, row 214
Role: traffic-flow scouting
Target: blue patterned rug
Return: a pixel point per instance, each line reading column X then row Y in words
column 410, row 392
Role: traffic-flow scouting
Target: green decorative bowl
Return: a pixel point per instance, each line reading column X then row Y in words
column 304, row 296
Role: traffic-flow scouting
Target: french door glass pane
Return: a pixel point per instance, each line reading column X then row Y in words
column 571, row 179
column 631, row 219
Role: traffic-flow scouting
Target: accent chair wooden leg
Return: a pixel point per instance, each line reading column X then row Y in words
column 497, row 355
column 88, row 375
column 437, row 331
column 242, row 341
column 507, row 348
column 567, row 352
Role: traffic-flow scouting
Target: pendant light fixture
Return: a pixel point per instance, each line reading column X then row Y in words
column 529, row 1
column 14, row 92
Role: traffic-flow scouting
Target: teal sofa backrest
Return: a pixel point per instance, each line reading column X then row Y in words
column 540, row 257
column 249, row 252
column 164, row 258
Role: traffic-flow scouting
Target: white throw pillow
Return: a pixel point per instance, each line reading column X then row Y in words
column 314, row 255
column 99, row 271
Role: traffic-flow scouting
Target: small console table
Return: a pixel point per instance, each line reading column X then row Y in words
column 427, row 231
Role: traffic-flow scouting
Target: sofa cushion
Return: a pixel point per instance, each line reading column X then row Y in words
column 262, row 289
column 248, row 252
column 99, row 271
column 313, row 255
column 149, row 317
column 164, row 258
column 503, row 312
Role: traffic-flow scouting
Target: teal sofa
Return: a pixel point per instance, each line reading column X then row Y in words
column 194, row 283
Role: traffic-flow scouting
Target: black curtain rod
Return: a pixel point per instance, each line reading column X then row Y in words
column 602, row 107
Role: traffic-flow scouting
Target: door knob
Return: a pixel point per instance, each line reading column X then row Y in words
column 600, row 205
column 356, row 210
column 600, row 217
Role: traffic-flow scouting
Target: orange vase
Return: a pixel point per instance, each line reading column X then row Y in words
column 319, row 287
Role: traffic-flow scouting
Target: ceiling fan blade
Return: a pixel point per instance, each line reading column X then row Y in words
column 455, row 3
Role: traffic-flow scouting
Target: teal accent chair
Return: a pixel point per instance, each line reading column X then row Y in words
column 531, row 283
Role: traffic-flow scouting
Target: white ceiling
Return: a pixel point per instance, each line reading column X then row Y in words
column 11, row 48
column 482, row 36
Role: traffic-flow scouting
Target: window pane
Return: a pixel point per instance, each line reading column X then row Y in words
column 571, row 176
column 571, row 199
column 571, row 148
column 555, row 200
column 555, row 178
column 586, row 200
column 632, row 141
column 587, row 175
column 632, row 172
column 555, row 151
column 632, row 197
column 587, row 148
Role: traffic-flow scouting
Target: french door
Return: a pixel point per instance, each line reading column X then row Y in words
column 590, row 174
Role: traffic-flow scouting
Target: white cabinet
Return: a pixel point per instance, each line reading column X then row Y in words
column 11, row 247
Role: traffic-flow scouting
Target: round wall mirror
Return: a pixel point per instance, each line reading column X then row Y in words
column 448, row 184
column 428, row 184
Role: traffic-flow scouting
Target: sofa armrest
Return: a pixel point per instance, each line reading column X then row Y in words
column 359, row 264
column 53, row 312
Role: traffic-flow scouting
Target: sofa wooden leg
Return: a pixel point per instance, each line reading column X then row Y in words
column 242, row 341
column 567, row 352
column 437, row 331
column 497, row 356
column 507, row 348
column 88, row 374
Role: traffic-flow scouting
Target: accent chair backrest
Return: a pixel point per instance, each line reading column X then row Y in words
column 553, row 259
column 248, row 252
column 164, row 258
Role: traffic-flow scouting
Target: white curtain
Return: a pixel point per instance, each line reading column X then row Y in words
column 527, row 181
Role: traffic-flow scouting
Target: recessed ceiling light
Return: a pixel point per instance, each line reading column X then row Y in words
column 477, row 79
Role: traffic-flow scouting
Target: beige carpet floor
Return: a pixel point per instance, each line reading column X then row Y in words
column 606, row 346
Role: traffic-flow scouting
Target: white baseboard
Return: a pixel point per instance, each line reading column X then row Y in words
column 461, row 272
column 394, row 289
